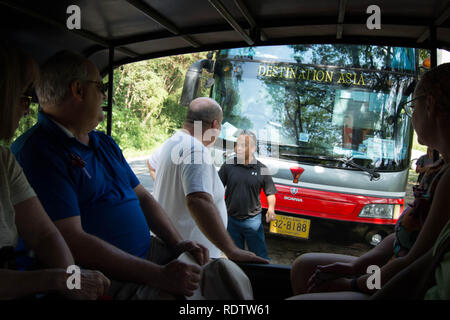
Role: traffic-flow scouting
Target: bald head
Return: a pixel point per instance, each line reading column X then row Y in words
column 203, row 109
column 208, row 113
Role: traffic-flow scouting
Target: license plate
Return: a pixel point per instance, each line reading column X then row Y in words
column 291, row 226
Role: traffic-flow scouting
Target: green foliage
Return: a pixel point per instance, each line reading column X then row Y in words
column 417, row 146
column 24, row 124
column 146, row 108
column 423, row 54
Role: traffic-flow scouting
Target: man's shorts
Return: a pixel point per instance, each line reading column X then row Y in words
column 158, row 253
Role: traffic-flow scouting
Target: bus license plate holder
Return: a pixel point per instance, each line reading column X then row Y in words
column 291, row 226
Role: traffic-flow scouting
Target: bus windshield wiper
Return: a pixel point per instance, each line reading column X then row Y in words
column 348, row 161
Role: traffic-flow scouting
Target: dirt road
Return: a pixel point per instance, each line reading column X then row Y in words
column 283, row 250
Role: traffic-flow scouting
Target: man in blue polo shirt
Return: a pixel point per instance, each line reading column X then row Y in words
column 91, row 193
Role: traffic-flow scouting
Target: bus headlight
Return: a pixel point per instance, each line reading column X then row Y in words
column 380, row 211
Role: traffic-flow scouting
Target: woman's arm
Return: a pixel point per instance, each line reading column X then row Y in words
column 41, row 235
column 379, row 255
column 376, row 256
column 437, row 218
column 16, row 284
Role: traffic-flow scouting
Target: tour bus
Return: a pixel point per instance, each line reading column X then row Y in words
column 329, row 126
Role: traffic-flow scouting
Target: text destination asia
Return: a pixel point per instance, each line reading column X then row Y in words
column 310, row 74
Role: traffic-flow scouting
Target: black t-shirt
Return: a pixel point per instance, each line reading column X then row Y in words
column 243, row 187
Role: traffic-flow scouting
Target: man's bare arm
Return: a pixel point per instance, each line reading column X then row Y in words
column 92, row 252
column 151, row 170
column 207, row 217
column 156, row 217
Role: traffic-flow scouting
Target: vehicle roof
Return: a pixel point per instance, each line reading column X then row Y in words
column 141, row 30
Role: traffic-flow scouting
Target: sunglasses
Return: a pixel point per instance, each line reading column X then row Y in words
column 103, row 87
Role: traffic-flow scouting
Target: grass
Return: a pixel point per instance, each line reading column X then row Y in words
column 417, row 146
column 130, row 153
column 133, row 153
column 412, row 176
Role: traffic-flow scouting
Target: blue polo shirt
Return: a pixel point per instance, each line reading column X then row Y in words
column 94, row 182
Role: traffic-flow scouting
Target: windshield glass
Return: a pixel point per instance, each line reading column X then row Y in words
column 309, row 102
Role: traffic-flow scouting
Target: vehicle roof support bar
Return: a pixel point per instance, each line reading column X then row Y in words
column 440, row 20
column 110, row 91
column 82, row 33
column 229, row 18
column 246, row 13
column 341, row 14
column 166, row 24
column 433, row 47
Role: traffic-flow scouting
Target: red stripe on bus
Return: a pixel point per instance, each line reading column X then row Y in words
column 328, row 205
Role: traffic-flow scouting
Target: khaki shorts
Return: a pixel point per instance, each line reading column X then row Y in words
column 159, row 254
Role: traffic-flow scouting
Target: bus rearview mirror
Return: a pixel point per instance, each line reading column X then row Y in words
column 192, row 80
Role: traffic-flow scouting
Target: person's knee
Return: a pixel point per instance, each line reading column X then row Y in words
column 302, row 269
column 304, row 262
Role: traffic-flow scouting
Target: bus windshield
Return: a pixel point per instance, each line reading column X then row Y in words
column 316, row 103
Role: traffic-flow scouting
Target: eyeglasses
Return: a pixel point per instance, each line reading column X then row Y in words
column 409, row 108
column 103, row 87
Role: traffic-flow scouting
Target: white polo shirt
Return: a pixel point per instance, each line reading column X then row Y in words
column 185, row 166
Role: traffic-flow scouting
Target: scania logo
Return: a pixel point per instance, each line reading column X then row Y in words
column 293, row 199
column 294, row 191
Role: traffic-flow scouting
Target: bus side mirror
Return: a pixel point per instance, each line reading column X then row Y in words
column 192, row 80
column 209, row 83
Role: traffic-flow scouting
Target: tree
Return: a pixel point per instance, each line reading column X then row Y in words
column 146, row 107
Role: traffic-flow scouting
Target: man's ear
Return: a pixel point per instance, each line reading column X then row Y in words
column 76, row 89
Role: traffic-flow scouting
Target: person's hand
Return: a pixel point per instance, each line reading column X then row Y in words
column 345, row 268
column 245, row 256
column 179, row 278
column 93, row 284
column 338, row 268
column 270, row 215
column 198, row 251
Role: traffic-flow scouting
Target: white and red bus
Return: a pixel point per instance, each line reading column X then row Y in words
column 329, row 125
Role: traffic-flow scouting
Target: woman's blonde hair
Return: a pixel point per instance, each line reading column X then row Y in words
column 18, row 71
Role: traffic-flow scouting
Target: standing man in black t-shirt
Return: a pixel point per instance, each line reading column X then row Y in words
column 244, row 179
